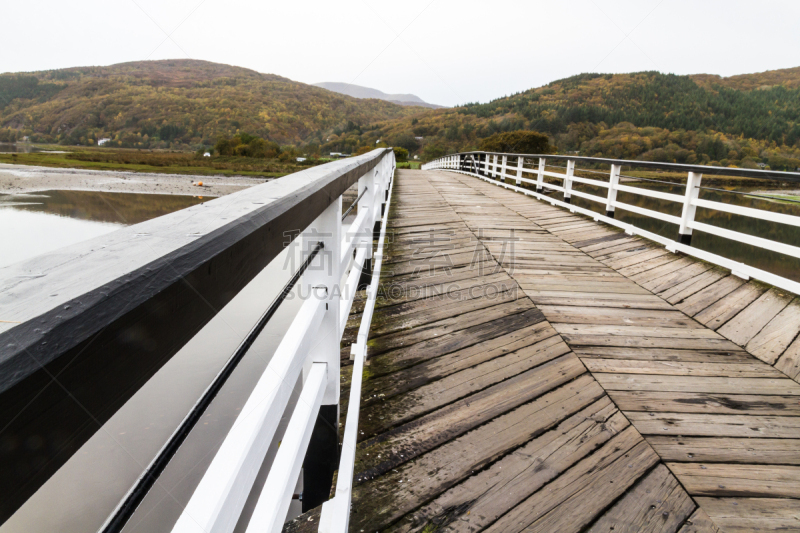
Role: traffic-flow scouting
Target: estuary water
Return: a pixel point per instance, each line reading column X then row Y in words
column 36, row 223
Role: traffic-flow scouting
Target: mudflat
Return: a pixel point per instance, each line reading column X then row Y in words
column 15, row 179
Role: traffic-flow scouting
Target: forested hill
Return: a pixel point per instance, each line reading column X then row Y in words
column 756, row 110
column 741, row 120
column 174, row 103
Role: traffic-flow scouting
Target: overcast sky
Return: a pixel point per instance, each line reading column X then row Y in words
column 444, row 51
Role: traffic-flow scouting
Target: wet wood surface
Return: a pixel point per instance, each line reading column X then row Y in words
column 563, row 376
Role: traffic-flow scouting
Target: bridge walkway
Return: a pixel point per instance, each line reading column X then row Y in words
column 521, row 378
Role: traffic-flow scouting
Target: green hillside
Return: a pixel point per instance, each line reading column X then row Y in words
column 173, row 103
column 746, row 120
column 742, row 120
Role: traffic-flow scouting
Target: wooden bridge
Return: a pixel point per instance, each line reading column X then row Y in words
column 533, row 370
column 522, row 367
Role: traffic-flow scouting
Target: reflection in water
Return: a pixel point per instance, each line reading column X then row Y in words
column 18, row 148
column 761, row 258
column 33, row 224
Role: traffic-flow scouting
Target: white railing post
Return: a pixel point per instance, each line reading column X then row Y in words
column 568, row 181
column 503, row 168
column 689, row 208
column 520, row 161
column 321, row 281
column 365, row 183
column 612, row 190
column 335, row 513
column 494, row 166
column 540, row 176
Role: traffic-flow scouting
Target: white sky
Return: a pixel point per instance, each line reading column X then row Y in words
column 445, row 51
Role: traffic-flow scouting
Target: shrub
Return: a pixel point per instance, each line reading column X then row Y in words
column 517, row 142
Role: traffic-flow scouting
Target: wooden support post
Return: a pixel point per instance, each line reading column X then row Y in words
column 540, row 176
column 612, row 190
column 520, row 161
column 687, row 216
column 503, row 168
column 568, row 181
column 494, row 166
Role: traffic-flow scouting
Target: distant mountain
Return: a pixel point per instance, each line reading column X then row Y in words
column 174, row 103
column 357, row 91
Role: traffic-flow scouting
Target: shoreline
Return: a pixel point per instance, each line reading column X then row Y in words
column 23, row 179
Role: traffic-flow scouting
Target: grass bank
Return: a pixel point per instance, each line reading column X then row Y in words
column 165, row 162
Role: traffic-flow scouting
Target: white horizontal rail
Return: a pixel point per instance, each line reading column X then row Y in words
column 737, row 268
column 592, row 197
column 752, row 240
column 652, row 194
column 335, row 517
column 648, row 212
column 355, row 234
column 588, row 181
column 349, row 292
column 218, row 500
column 759, row 214
column 273, row 503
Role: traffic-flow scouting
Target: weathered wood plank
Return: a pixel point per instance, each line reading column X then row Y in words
column 436, row 346
column 656, row 504
column 705, row 402
column 699, row 522
column 686, row 289
column 698, row 384
column 737, row 355
column 446, row 326
column 421, row 435
column 712, row 425
column 777, row 335
column 574, row 499
column 745, row 325
column 485, row 497
column 744, row 515
column 381, row 500
column 726, row 450
column 698, row 301
column 727, row 307
column 636, row 331
column 617, row 316
column 734, row 480
column 541, row 334
column 789, row 362
column 681, row 368
column 381, row 416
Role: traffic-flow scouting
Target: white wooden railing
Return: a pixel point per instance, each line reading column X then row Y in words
column 310, row 346
column 494, row 168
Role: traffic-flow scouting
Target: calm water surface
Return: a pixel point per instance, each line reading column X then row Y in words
column 33, row 224
column 25, row 148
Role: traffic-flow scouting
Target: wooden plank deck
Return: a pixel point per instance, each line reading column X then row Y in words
column 530, row 369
